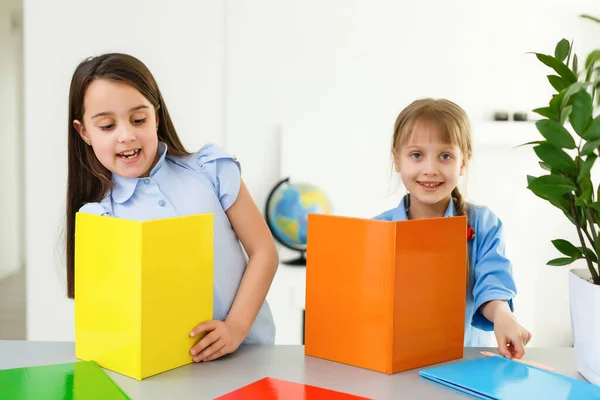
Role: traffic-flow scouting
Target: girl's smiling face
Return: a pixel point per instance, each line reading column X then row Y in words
column 430, row 167
column 121, row 126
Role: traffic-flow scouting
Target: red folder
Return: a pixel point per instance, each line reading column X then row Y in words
column 278, row 389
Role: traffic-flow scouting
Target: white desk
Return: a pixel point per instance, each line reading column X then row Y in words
column 251, row 363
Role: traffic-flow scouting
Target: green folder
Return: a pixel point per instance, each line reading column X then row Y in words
column 77, row 380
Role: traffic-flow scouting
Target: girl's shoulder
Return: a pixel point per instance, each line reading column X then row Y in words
column 485, row 221
column 103, row 207
column 220, row 168
column 206, row 160
column 479, row 211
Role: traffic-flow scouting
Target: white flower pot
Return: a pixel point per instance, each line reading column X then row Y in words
column 585, row 322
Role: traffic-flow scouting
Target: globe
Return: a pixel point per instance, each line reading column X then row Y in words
column 287, row 209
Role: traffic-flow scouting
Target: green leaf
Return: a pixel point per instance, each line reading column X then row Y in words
column 575, row 65
column 565, row 114
column 562, row 50
column 593, row 131
column 545, row 166
column 555, row 133
column 587, row 16
column 574, row 88
column 587, row 187
column 529, row 143
column 584, row 172
column 559, row 262
column 566, row 248
column 551, row 186
column 591, row 58
column 585, row 198
column 587, row 190
column 589, row 147
column 590, row 72
column 570, row 52
column 581, row 116
column 558, row 83
column 547, row 112
column 555, row 157
column 595, row 215
column 581, row 215
column 556, row 101
column 558, row 66
column 562, row 204
column 589, row 253
column 590, row 64
column 569, row 217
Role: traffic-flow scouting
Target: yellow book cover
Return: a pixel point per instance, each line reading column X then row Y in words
column 140, row 287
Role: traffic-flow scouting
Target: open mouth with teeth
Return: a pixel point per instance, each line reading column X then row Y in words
column 129, row 154
column 430, row 185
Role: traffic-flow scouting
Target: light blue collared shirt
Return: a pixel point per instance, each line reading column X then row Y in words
column 491, row 277
column 205, row 182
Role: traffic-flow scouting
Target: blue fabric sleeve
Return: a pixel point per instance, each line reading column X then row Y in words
column 94, row 208
column 223, row 171
column 493, row 279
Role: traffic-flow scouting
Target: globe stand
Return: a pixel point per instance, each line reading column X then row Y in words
column 297, row 261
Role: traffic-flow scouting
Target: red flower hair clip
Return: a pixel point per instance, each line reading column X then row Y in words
column 470, row 233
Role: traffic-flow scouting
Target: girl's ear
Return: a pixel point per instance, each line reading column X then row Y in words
column 81, row 130
column 464, row 162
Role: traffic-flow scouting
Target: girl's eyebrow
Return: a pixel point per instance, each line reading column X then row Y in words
column 105, row 113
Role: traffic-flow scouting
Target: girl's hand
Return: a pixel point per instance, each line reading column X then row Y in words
column 222, row 338
column 511, row 336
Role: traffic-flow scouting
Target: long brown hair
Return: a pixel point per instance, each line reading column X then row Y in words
column 455, row 129
column 88, row 180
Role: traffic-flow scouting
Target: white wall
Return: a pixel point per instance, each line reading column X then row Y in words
column 341, row 71
column 11, row 135
column 333, row 75
column 330, row 77
column 182, row 44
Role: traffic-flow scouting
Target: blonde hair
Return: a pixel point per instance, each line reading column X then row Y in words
column 454, row 127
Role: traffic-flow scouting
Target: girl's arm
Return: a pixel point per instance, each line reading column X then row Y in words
column 223, row 337
column 493, row 308
column 257, row 240
column 510, row 335
column 494, row 288
column 493, row 283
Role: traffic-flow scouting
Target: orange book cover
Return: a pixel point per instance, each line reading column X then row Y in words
column 385, row 296
column 278, row 389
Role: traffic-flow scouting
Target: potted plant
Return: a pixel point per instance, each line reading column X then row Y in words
column 568, row 151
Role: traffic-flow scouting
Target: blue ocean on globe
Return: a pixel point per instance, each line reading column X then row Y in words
column 288, row 208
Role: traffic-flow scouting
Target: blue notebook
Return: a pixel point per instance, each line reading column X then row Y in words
column 500, row 378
